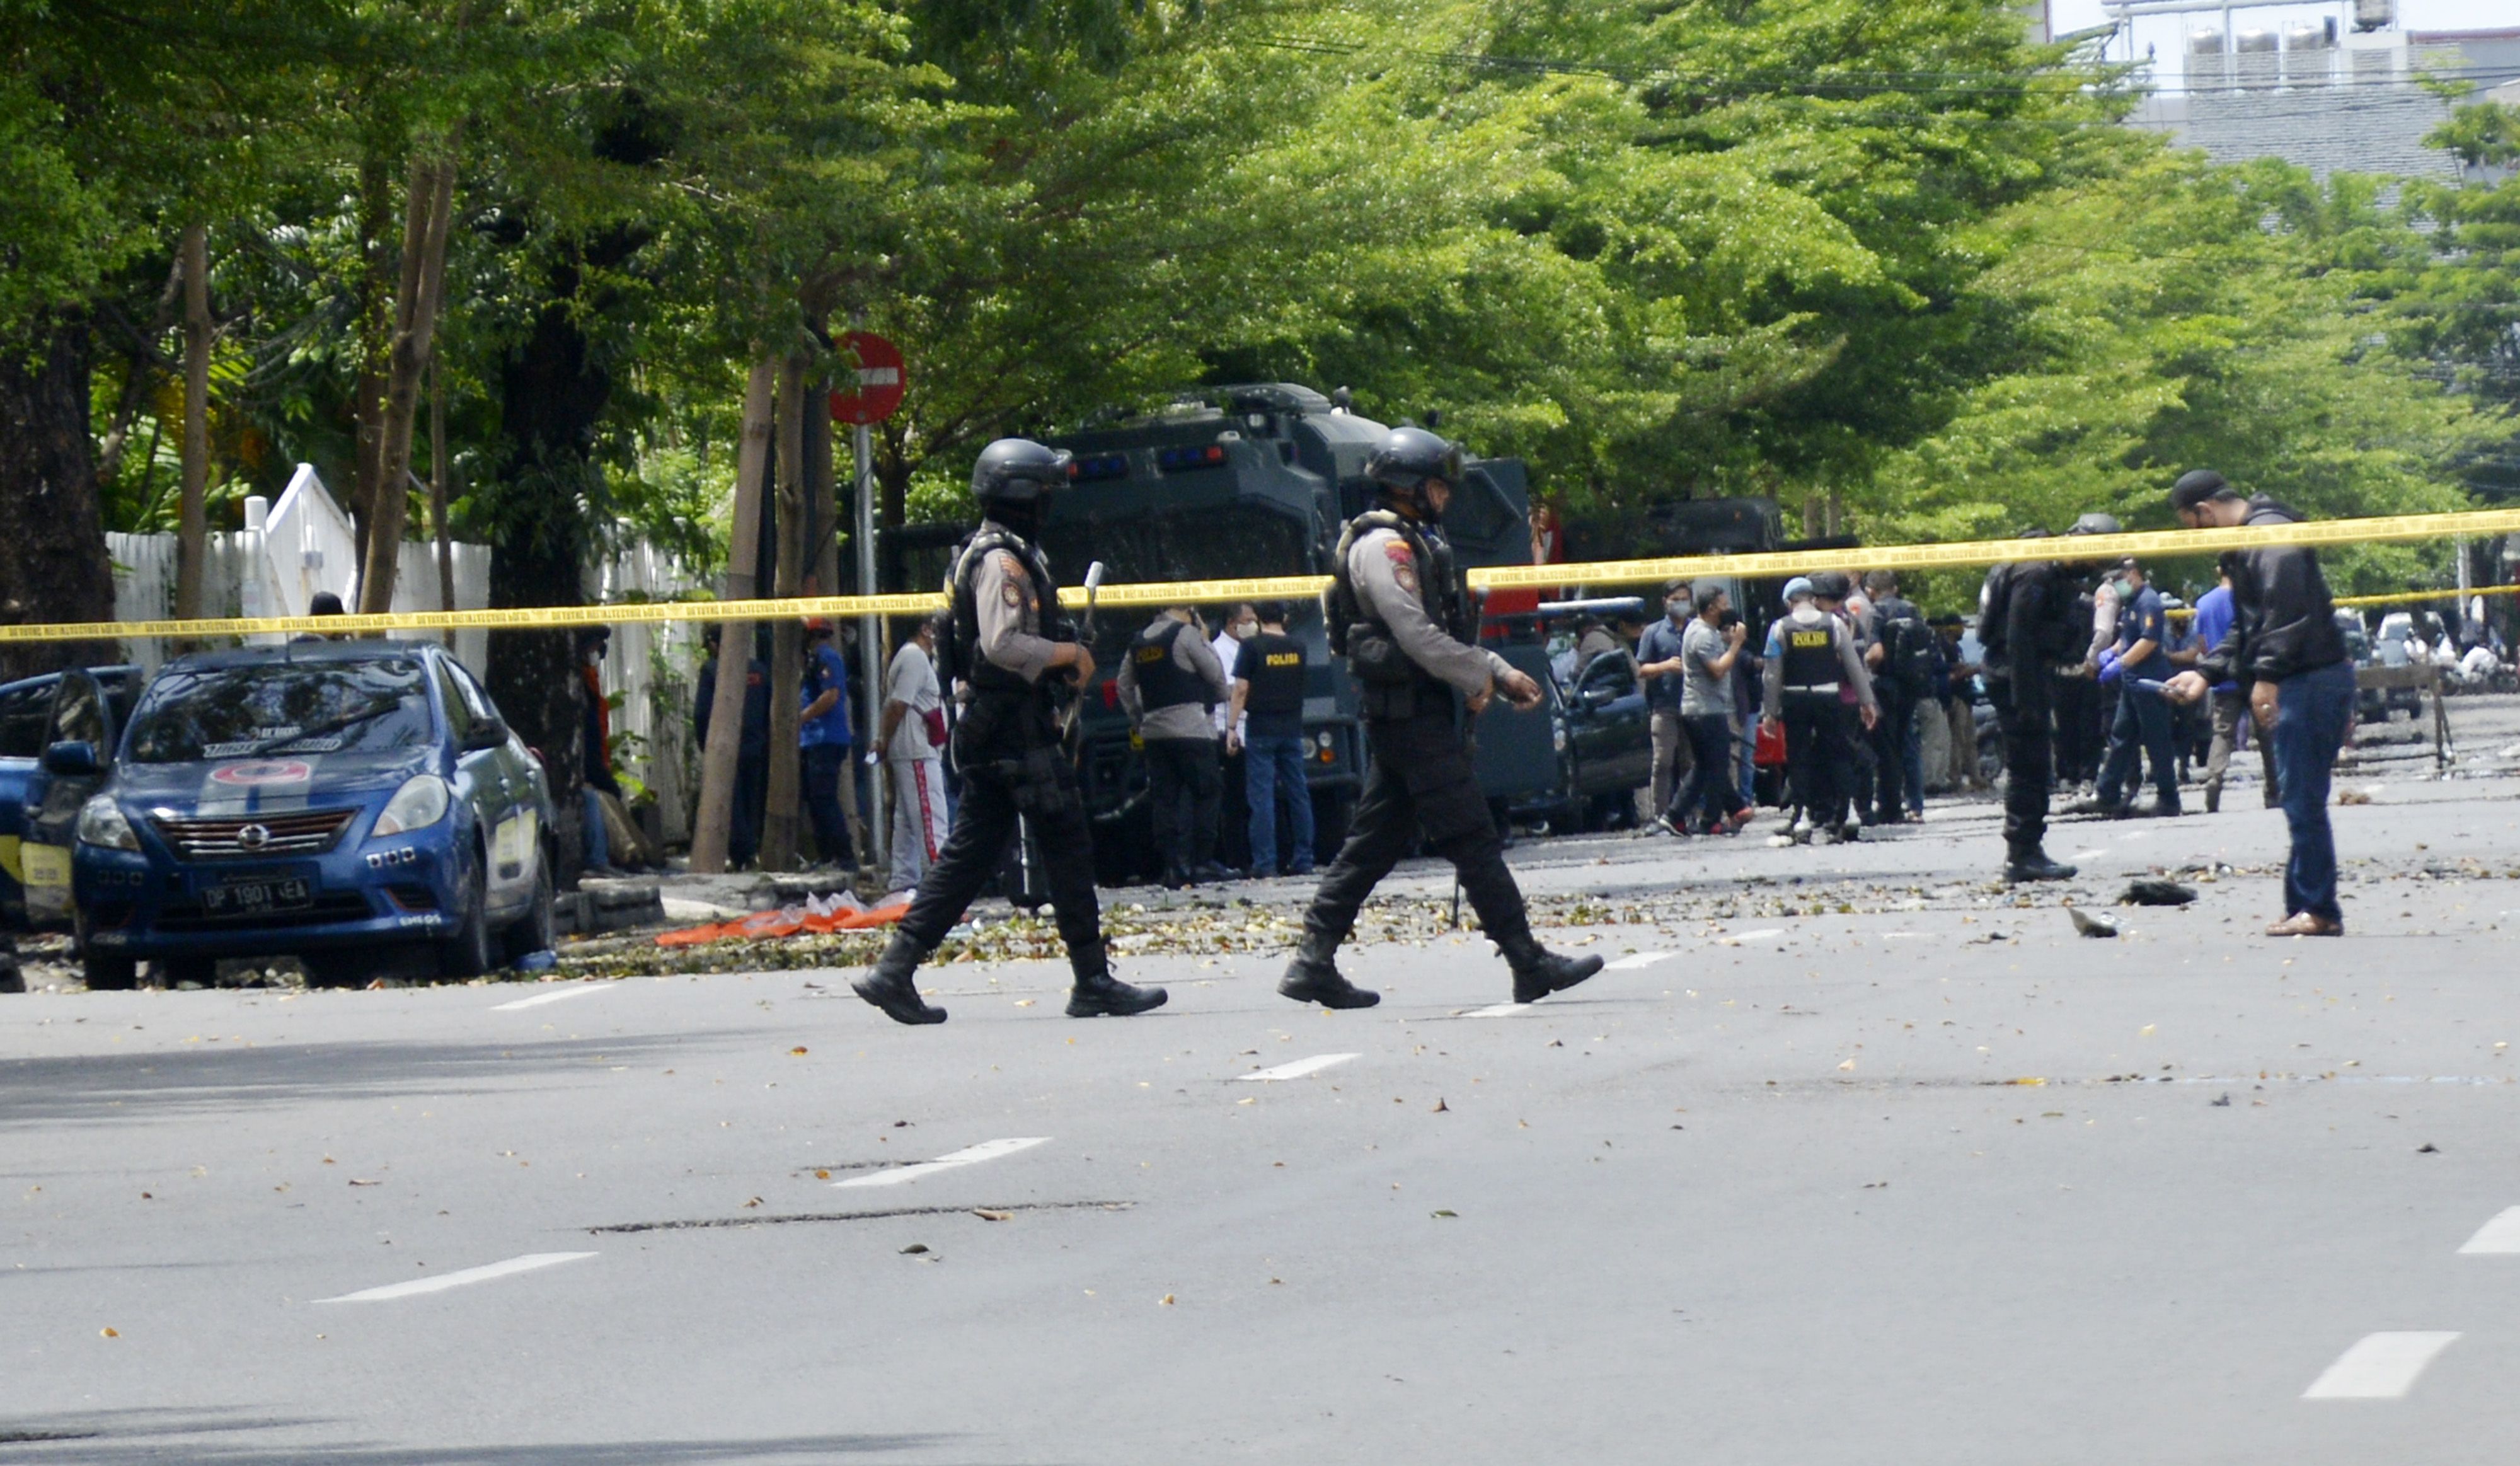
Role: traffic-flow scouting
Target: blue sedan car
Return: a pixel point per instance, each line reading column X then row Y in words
column 325, row 801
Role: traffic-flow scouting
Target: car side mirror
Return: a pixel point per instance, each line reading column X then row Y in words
column 71, row 759
column 484, row 735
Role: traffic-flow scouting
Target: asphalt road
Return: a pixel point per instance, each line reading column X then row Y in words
column 1853, row 1157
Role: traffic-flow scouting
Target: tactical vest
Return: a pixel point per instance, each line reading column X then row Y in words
column 1390, row 684
column 1163, row 682
column 1274, row 664
column 969, row 666
column 1808, row 656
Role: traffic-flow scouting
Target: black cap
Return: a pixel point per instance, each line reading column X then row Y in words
column 2197, row 485
column 324, row 603
column 1832, row 585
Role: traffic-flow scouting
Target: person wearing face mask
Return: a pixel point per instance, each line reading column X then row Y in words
column 1819, row 690
column 1658, row 662
column 2140, row 728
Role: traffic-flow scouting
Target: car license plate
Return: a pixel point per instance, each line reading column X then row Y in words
column 252, row 897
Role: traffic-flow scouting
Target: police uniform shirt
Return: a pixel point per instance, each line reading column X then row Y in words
column 1193, row 655
column 1010, row 612
column 1386, row 574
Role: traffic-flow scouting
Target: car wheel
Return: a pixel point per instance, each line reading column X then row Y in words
column 466, row 954
column 11, row 978
column 532, row 932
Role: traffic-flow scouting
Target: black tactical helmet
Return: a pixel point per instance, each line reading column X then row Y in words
column 2097, row 523
column 1017, row 470
column 1832, row 585
column 1406, row 457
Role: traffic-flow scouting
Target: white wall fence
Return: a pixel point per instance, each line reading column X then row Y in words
column 303, row 543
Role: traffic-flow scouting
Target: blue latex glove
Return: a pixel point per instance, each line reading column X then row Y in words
column 2109, row 664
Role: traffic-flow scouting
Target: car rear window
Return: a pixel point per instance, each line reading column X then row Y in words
column 282, row 708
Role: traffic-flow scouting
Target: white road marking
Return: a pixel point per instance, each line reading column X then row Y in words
column 445, row 1280
column 1295, row 1071
column 2501, row 1235
column 1500, row 1010
column 553, row 996
column 1636, row 960
column 1761, row 935
column 986, row 1150
column 2379, row 1366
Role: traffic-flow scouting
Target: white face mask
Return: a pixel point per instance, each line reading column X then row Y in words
column 1244, row 630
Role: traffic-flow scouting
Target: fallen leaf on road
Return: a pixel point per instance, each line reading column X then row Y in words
column 1166, row 1301
column 2428, row 1149
column 986, row 1215
column 108, row 1334
column 798, row 1049
column 1440, row 1107
column 2145, row 1031
column 1849, row 1064
column 357, row 1181
column 822, row 1176
column 1443, row 1214
column 756, row 1201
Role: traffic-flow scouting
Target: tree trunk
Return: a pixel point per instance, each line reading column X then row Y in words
column 192, row 533
column 135, row 382
column 53, row 565
column 787, row 636
column 424, row 272
column 735, row 638
column 438, row 474
column 375, row 341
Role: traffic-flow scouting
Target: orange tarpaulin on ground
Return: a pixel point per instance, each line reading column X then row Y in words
column 789, row 921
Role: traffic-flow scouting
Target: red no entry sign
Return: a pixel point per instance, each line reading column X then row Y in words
column 880, row 381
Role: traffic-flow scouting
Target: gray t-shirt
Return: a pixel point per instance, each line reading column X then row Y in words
column 1703, row 693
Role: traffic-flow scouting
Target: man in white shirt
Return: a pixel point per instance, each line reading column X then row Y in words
column 912, row 746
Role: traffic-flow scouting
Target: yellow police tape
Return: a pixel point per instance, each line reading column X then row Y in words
column 1968, row 554
column 2446, row 593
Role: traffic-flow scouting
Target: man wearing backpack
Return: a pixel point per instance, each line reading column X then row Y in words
column 1900, row 659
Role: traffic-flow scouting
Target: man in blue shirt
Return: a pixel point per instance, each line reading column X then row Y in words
column 822, row 738
column 2140, row 664
column 1658, row 662
column 2214, row 615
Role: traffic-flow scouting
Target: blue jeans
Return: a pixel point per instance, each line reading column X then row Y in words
column 1747, row 744
column 597, row 840
column 2311, row 713
column 1273, row 770
column 2142, row 731
column 825, row 766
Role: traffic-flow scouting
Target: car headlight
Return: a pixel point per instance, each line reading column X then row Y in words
column 420, row 802
column 102, row 823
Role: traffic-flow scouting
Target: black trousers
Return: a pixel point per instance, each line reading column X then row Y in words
column 1184, row 791
column 1421, row 780
column 2081, row 732
column 1889, row 740
column 984, row 823
column 1819, row 756
column 2029, row 763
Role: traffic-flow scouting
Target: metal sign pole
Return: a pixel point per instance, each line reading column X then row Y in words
column 870, row 649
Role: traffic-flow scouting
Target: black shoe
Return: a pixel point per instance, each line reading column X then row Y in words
column 2035, row 866
column 1539, row 972
column 1102, row 995
column 1209, row 871
column 1173, row 878
column 1316, row 980
column 890, row 985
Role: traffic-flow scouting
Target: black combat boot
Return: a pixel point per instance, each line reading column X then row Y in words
column 1539, row 972
column 1313, row 978
column 890, row 985
column 2030, row 863
column 1098, row 994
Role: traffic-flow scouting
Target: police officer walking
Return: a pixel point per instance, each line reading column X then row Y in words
column 2028, row 621
column 1399, row 612
column 1014, row 655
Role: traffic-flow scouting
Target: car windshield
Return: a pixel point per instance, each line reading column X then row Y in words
column 282, row 708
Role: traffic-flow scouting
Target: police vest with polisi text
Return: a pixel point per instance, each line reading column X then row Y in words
column 1272, row 663
column 1809, row 653
column 1162, row 681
